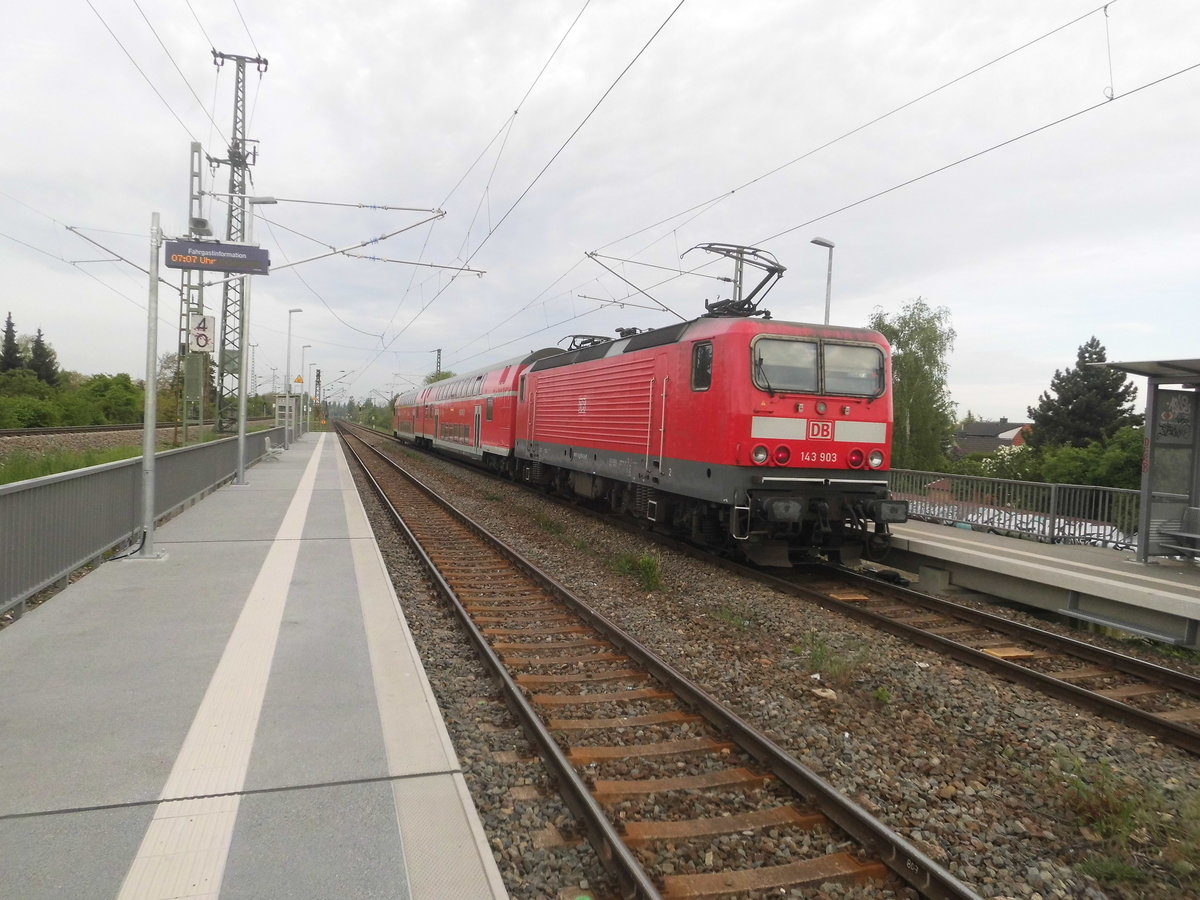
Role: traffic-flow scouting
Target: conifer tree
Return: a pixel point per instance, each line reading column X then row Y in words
column 43, row 361
column 1087, row 403
column 10, row 353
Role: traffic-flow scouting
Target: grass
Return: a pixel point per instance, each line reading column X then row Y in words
column 547, row 524
column 1134, row 824
column 834, row 666
column 643, row 567
column 21, row 465
column 731, row 616
column 1101, row 800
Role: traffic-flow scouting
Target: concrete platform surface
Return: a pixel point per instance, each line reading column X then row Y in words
column 245, row 716
column 1095, row 584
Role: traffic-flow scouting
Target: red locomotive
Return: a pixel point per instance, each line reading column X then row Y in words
column 767, row 439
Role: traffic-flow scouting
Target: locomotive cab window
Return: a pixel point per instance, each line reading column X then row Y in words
column 702, row 366
column 786, row 365
column 854, row 370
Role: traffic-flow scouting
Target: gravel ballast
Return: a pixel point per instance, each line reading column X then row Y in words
column 1016, row 794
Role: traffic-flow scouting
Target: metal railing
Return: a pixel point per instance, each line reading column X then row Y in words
column 1052, row 513
column 51, row 526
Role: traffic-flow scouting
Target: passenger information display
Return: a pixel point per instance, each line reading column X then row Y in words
column 212, row 256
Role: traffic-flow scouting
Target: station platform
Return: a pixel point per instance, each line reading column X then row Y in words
column 245, row 716
column 1098, row 585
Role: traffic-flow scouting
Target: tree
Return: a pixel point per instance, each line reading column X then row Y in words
column 10, row 354
column 43, row 361
column 1115, row 462
column 434, row 377
column 117, row 396
column 921, row 340
column 1087, row 403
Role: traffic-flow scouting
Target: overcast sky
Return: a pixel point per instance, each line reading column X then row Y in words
column 1086, row 227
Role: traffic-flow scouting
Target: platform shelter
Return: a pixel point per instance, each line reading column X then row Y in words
column 1170, row 507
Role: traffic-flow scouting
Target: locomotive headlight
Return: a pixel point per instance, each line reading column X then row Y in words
column 760, row 454
column 821, row 407
column 875, row 459
column 782, row 455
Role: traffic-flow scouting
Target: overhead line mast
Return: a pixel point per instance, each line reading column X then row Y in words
column 241, row 157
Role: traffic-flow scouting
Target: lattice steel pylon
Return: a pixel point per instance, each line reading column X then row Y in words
column 241, row 157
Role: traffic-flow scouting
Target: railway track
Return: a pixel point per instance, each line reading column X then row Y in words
column 643, row 755
column 1153, row 699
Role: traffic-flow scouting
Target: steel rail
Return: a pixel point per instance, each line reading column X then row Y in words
column 617, row 857
column 903, row 858
column 1179, row 735
column 1175, row 733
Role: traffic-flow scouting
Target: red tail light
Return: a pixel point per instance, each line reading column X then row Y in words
column 855, row 458
column 782, row 455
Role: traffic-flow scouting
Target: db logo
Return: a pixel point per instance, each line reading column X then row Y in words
column 819, row 430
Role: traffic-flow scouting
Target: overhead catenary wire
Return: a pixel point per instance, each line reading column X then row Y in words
column 247, row 27
column 548, row 164
column 705, row 205
column 1005, row 143
column 914, row 180
column 171, row 57
column 505, row 129
column 698, row 209
column 140, row 70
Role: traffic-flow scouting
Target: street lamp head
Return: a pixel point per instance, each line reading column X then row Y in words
column 295, row 309
column 822, row 242
column 306, row 347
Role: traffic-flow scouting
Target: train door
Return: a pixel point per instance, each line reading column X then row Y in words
column 478, row 427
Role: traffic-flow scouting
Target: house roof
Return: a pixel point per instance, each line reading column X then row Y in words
column 1186, row 370
column 986, row 437
column 1001, row 429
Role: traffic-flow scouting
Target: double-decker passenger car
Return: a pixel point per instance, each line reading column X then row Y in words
column 471, row 415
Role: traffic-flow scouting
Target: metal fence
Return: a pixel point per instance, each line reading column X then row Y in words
column 1053, row 513
column 51, row 526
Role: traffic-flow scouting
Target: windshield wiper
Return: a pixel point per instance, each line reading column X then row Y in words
column 762, row 371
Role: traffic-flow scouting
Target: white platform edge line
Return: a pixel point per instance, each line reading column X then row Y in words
column 186, row 846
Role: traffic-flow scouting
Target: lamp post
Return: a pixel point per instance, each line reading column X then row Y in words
column 150, row 406
column 243, row 348
column 287, row 377
column 822, row 242
column 304, row 386
column 312, row 398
